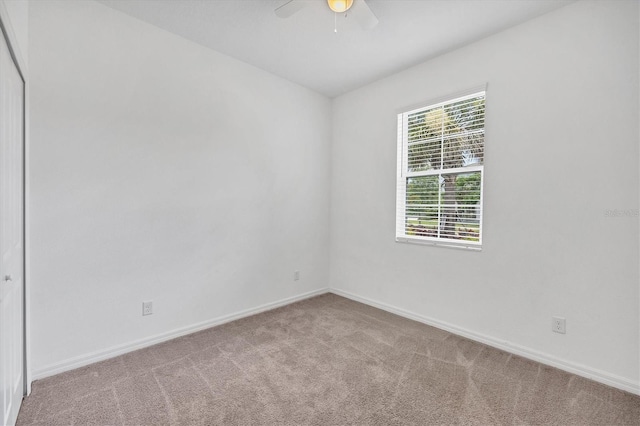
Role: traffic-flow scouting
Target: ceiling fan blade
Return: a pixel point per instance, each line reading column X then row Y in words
column 290, row 7
column 363, row 15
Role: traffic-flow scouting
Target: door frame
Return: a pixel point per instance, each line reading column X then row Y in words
column 12, row 43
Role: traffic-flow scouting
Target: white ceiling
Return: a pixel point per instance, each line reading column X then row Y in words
column 304, row 47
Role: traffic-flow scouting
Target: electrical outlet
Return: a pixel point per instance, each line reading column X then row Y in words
column 147, row 308
column 296, row 275
column 559, row 325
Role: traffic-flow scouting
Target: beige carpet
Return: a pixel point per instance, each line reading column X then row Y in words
column 323, row 361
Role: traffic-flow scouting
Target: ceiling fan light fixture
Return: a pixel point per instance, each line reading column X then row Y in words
column 340, row 6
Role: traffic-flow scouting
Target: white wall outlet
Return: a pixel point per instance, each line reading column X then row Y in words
column 559, row 325
column 147, row 308
column 296, row 275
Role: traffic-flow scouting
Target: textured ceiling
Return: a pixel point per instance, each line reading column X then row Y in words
column 304, row 47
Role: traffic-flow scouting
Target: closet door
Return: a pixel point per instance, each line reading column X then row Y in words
column 11, row 237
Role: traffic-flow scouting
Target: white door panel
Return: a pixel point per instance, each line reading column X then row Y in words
column 11, row 237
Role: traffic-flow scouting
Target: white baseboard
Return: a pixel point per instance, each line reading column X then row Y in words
column 543, row 358
column 90, row 358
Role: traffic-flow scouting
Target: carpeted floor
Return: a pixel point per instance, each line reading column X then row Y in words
column 323, row 361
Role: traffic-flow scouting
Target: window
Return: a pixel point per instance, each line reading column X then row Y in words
column 440, row 167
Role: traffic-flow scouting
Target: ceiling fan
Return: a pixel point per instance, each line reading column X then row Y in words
column 356, row 9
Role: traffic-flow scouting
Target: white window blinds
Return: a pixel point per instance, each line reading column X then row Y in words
column 440, row 167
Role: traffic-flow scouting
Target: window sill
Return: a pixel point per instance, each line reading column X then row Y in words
column 447, row 244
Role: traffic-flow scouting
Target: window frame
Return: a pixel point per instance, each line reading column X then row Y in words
column 403, row 173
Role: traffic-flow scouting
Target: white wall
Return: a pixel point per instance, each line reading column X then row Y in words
column 561, row 148
column 161, row 170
